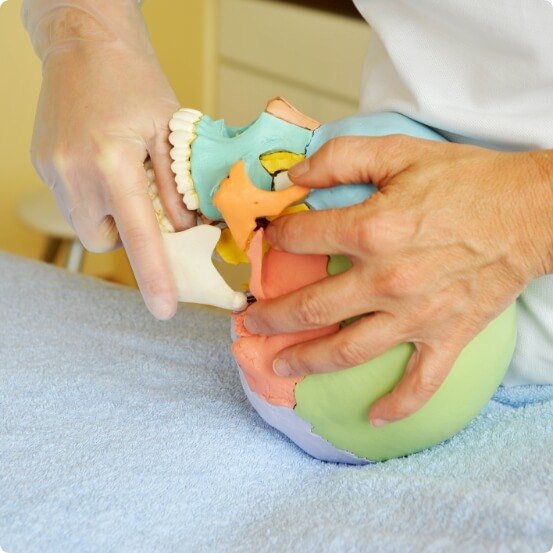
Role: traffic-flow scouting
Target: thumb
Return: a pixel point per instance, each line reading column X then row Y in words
column 425, row 373
column 351, row 159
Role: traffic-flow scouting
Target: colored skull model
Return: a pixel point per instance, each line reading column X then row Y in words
column 238, row 176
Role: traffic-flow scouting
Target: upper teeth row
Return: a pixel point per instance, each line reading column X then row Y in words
column 183, row 126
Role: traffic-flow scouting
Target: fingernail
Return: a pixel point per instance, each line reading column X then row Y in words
column 251, row 324
column 299, row 169
column 282, row 367
column 377, row 423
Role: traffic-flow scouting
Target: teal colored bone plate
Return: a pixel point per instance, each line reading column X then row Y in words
column 378, row 124
column 218, row 147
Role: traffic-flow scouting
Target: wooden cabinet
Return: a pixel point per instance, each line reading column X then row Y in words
column 265, row 48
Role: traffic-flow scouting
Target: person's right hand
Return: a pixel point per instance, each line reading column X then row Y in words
column 104, row 108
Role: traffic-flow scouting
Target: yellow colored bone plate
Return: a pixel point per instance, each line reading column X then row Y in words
column 280, row 161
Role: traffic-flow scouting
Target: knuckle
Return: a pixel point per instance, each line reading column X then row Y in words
column 366, row 236
column 53, row 166
column 336, row 151
column 137, row 238
column 109, row 156
column 288, row 232
column 301, row 361
column 60, row 161
column 95, row 240
column 310, row 312
column 401, row 281
column 335, row 148
column 380, row 286
column 398, row 411
column 349, row 354
column 112, row 162
column 375, row 233
column 426, row 384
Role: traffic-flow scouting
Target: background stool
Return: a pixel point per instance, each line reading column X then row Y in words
column 40, row 212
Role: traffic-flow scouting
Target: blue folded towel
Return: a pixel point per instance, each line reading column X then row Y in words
column 119, row 433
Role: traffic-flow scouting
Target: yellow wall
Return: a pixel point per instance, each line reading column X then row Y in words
column 176, row 32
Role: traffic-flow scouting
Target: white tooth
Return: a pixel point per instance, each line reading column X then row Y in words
column 186, row 193
column 184, row 181
column 190, row 195
column 182, row 137
column 191, row 201
column 180, row 121
column 187, row 112
column 157, row 204
column 166, row 226
column 180, row 154
column 151, row 175
column 282, row 181
column 180, row 166
column 186, row 190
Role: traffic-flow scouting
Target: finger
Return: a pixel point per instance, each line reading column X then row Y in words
column 318, row 305
column 135, row 219
column 332, row 231
column 357, row 343
column 358, row 160
column 425, row 372
column 96, row 230
column 181, row 218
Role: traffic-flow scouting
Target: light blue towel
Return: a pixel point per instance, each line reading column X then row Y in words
column 122, row 434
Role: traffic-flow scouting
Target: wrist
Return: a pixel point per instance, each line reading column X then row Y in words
column 55, row 25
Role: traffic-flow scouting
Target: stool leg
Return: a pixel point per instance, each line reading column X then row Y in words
column 75, row 256
column 51, row 249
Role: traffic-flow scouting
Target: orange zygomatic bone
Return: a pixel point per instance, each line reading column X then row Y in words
column 241, row 202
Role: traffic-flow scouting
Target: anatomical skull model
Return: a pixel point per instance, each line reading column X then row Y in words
column 237, row 180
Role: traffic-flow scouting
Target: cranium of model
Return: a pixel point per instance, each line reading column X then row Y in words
column 237, row 180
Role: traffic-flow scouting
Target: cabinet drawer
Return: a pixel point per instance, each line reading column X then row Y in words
column 300, row 46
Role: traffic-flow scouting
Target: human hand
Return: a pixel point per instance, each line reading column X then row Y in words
column 449, row 241
column 104, row 108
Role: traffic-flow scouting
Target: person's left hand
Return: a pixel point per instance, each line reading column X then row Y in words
column 449, row 241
